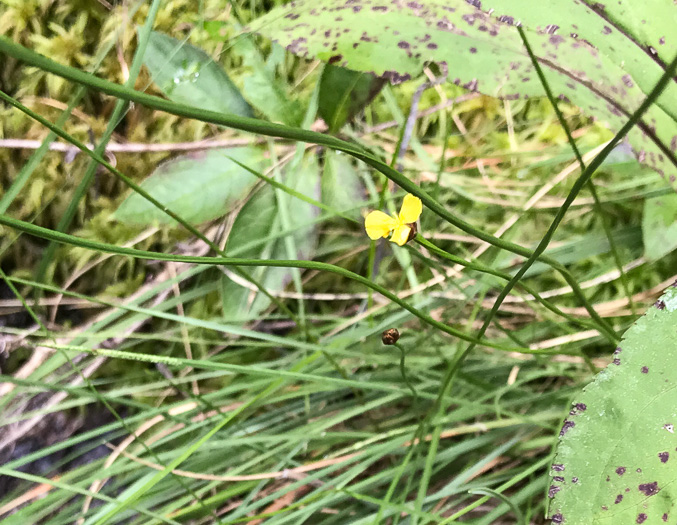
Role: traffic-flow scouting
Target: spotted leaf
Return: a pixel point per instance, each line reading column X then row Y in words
column 616, row 457
column 482, row 50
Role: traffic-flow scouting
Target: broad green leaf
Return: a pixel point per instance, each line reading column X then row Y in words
column 341, row 185
column 263, row 90
column 616, row 456
column 659, row 226
column 343, row 93
column 199, row 187
column 188, row 75
column 485, row 53
column 259, row 219
column 261, row 87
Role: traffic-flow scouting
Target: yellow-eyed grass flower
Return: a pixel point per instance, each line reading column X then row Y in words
column 402, row 226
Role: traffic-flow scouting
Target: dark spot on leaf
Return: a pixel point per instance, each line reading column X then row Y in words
column 403, row 45
column 473, row 50
column 355, row 44
column 619, row 498
column 432, row 45
column 620, row 471
column 606, row 30
column 470, row 19
column 608, row 478
column 554, row 489
column 649, row 489
column 645, row 370
column 475, row 3
column 574, row 480
column 660, row 304
column 604, row 507
column 445, row 25
column 335, row 58
column 599, row 7
column 557, row 467
column 295, row 45
column 510, row 21
column 414, row 5
column 673, row 143
column 616, row 361
column 379, row 8
column 664, row 456
column 365, row 37
column 574, row 35
column 627, row 489
column 557, row 519
column 551, row 29
column 665, row 517
column 395, row 77
column 472, row 85
column 627, row 80
column 641, row 518
column 661, row 41
column 559, row 479
column 614, row 110
column 357, row 8
column 577, row 408
column 638, row 470
column 556, row 40
column 327, row 33
column 292, row 16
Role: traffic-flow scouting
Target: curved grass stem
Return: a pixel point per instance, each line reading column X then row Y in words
column 278, row 130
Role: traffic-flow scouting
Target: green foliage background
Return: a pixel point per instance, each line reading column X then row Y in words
column 283, row 404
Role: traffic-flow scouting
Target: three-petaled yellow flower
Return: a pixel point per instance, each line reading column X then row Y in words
column 379, row 224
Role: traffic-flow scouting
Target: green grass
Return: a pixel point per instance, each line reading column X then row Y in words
column 133, row 391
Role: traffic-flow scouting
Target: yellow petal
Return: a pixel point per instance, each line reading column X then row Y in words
column 411, row 209
column 401, row 235
column 378, row 224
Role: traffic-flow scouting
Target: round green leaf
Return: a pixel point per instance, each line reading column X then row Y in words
column 616, row 461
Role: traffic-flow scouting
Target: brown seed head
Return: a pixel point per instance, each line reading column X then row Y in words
column 390, row 336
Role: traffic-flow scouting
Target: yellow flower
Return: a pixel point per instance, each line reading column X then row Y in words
column 379, row 224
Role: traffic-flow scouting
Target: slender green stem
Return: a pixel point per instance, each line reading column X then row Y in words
column 476, row 265
column 591, row 186
column 270, row 129
column 52, row 235
column 403, row 371
column 143, row 193
column 118, row 112
column 485, row 491
column 578, row 185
